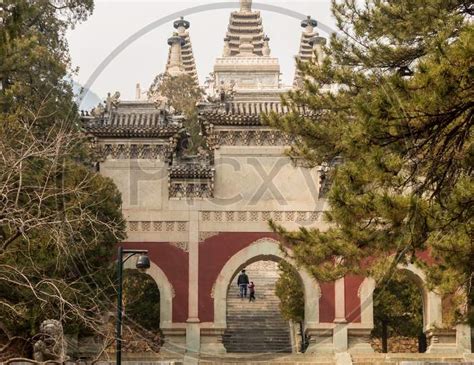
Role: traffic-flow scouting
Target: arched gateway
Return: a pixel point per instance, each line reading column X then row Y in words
column 262, row 249
column 202, row 218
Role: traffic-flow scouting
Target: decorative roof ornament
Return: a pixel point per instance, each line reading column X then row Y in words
column 98, row 111
column 245, row 6
column 226, row 51
column 266, row 46
column 161, row 102
column 112, row 101
column 226, row 91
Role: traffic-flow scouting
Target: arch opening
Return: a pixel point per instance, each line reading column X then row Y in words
column 141, row 309
column 166, row 292
column 265, row 253
column 399, row 314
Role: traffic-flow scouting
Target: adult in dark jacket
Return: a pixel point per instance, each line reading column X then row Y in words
column 242, row 282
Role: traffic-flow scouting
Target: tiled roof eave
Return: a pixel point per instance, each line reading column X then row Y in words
column 132, row 133
column 217, row 118
column 234, row 119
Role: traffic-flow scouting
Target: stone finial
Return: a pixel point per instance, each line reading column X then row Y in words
column 245, row 6
column 138, row 91
column 309, row 24
column 181, row 25
column 226, row 52
column 246, row 47
column 266, row 46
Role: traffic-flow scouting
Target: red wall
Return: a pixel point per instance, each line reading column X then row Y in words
column 174, row 263
column 327, row 308
column 214, row 253
column 353, row 303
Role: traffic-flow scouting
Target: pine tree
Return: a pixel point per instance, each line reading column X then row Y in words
column 59, row 219
column 398, row 310
column 289, row 289
column 390, row 111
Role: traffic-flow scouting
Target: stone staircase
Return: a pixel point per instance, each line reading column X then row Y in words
column 407, row 359
column 257, row 327
column 273, row 359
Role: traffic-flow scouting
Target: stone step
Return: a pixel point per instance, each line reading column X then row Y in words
column 256, row 340
column 274, row 359
column 405, row 359
column 256, row 327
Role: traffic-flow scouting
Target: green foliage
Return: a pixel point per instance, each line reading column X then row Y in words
column 289, row 289
column 141, row 300
column 400, row 148
column 59, row 219
column 398, row 304
column 182, row 93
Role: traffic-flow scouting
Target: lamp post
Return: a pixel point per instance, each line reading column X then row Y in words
column 143, row 263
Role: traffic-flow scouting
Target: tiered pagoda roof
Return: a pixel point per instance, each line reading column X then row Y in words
column 187, row 63
column 245, row 23
column 309, row 43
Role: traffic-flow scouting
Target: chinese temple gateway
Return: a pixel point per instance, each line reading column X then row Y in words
column 203, row 218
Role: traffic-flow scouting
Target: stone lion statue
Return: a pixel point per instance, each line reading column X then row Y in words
column 51, row 345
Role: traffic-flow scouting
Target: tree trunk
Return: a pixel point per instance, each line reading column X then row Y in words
column 422, row 343
column 303, row 338
column 384, row 337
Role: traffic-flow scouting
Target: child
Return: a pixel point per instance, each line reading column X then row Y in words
column 251, row 291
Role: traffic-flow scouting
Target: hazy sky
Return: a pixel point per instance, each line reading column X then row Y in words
column 114, row 21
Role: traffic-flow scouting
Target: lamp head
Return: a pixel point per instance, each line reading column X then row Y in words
column 143, row 262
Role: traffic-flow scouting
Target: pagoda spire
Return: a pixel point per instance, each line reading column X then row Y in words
column 244, row 23
column 310, row 45
column 181, row 57
column 245, row 6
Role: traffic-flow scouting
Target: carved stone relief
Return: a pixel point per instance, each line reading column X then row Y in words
column 191, row 189
column 157, row 226
column 249, row 138
column 205, row 235
column 181, row 245
column 134, row 151
column 260, row 216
